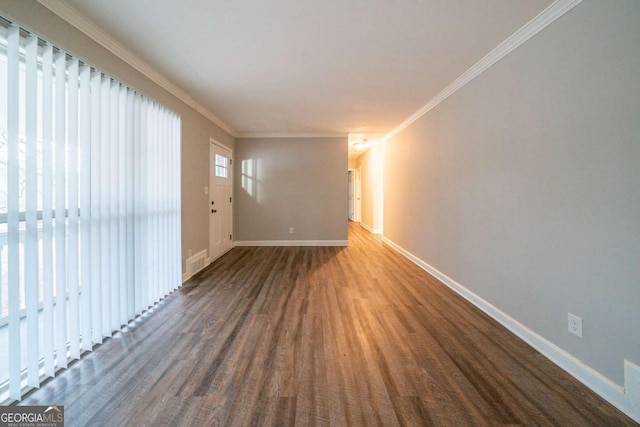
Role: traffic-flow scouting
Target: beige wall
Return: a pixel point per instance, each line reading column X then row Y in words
column 524, row 185
column 291, row 182
column 196, row 129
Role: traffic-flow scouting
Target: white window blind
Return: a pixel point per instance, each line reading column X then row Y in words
column 89, row 208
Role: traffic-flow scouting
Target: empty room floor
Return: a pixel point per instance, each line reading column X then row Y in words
column 307, row 336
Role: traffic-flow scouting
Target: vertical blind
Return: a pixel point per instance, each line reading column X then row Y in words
column 89, row 208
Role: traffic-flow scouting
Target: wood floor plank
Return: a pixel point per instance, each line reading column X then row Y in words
column 319, row 336
column 312, row 403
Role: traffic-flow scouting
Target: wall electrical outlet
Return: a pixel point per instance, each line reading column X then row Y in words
column 290, row 230
column 575, row 325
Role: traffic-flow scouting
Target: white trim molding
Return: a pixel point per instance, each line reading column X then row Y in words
column 530, row 29
column 291, row 135
column 185, row 277
column 603, row 386
column 88, row 27
column 632, row 386
column 292, row 243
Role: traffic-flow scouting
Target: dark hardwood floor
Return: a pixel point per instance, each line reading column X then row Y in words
column 319, row 336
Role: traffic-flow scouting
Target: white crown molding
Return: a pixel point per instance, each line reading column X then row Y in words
column 249, row 135
column 82, row 23
column 292, row 243
column 603, row 386
column 530, row 29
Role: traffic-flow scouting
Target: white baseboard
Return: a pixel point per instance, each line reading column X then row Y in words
column 370, row 230
column 603, row 386
column 632, row 385
column 187, row 276
column 292, row 243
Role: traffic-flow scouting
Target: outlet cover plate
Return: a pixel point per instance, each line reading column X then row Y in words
column 575, row 325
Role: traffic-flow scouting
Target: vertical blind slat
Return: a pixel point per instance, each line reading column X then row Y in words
column 72, row 254
column 13, row 230
column 152, row 207
column 166, row 187
column 47, row 209
column 129, row 183
column 121, row 163
column 162, row 188
column 142, row 246
column 104, row 195
column 31, row 270
column 112, row 149
column 60, row 148
column 96, row 236
column 157, row 258
column 85, row 207
column 137, row 203
column 114, row 223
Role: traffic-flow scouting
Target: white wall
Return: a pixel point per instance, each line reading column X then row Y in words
column 524, row 186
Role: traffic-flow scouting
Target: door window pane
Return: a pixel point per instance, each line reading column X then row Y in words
column 222, row 166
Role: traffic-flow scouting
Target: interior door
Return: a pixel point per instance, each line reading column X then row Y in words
column 357, row 191
column 351, row 191
column 221, row 202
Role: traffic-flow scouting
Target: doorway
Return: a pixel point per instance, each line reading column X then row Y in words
column 354, row 202
column 351, row 207
column 220, row 199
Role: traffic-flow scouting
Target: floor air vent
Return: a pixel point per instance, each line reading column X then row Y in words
column 196, row 262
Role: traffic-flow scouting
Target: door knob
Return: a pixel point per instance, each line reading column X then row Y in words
column 213, row 211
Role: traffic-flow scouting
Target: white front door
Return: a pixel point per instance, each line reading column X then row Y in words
column 220, row 200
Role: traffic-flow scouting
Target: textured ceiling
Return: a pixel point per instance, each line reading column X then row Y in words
column 292, row 66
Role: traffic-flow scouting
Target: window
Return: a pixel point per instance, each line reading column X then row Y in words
column 89, row 207
column 222, row 166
